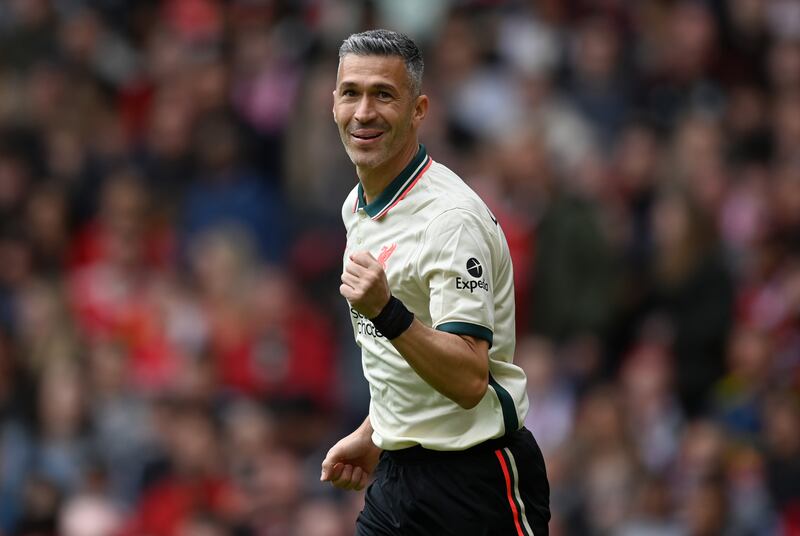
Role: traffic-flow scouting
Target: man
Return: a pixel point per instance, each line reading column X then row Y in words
column 429, row 281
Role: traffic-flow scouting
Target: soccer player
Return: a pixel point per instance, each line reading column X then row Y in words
column 429, row 282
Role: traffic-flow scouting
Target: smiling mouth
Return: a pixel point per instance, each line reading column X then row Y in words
column 366, row 135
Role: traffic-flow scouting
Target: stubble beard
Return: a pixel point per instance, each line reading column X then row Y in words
column 387, row 148
column 365, row 159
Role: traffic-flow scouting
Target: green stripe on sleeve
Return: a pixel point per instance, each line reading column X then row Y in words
column 507, row 404
column 465, row 328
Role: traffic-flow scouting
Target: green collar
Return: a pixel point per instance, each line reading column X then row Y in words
column 397, row 188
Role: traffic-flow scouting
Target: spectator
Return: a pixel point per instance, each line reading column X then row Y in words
column 693, row 290
column 229, row 194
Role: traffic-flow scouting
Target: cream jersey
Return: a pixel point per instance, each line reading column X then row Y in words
column 447, row 260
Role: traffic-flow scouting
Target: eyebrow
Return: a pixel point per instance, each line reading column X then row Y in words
column 346, row 84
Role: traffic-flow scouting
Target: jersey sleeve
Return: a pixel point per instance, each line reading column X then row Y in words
column 456, row 265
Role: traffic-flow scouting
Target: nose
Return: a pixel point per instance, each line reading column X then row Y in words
column 365, row 111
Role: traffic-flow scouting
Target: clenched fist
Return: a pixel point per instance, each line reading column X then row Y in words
column 364, row 284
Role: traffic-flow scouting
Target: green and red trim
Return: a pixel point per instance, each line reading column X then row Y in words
column 397, row 189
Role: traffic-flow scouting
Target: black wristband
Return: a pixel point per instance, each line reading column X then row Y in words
column 393, row 320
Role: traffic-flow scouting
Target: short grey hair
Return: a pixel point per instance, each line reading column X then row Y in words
column 388, row 43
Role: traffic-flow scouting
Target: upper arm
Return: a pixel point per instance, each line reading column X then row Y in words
column 479, row 347
column 456, row 265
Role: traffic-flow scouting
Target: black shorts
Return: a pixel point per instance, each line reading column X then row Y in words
column 497, row 488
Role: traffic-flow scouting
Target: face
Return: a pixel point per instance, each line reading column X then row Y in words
column 376, row 112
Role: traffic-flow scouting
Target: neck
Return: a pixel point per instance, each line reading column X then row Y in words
column 375, row 180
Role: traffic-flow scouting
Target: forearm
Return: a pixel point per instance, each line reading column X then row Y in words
column 363, row 436
column 457, row 367
column 365, row 429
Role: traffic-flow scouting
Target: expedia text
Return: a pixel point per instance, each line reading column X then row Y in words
column 462, row 284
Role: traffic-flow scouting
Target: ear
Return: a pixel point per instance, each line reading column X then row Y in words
column 420, row 109
column 334, row 104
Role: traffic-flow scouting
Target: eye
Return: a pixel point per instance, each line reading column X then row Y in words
column 384, row 95
column 348, row 93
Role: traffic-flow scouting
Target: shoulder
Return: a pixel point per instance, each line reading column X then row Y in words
column 457, row 224
column 349, row 205
column 452, row 203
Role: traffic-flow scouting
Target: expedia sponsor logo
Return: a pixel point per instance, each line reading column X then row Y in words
column 474, row 269
column 363, row 325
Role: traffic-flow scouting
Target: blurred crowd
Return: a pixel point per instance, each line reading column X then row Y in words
column 175, row 358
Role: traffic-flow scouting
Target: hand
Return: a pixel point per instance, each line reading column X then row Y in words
column 350, row 462
column 364, row 284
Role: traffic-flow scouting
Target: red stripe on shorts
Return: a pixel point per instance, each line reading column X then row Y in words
column 514, row 510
